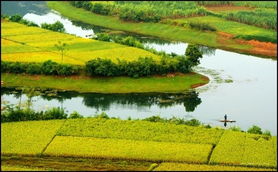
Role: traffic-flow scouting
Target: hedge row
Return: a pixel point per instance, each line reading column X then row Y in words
column 47, row 68
column 142, row 67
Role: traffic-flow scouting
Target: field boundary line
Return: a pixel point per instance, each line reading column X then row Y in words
column 52, row 138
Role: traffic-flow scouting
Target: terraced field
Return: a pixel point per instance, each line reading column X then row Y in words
column 173, row 145
column 32, row 44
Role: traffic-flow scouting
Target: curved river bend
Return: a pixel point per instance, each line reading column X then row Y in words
column 243, row 87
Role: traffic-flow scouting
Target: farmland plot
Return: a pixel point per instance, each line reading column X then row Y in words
column 32, row 44
column 128, row 149
column 27, row 137
column 139, row 130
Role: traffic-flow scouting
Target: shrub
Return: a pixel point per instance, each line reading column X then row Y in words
column 154, row 119
column 267, row 133
column 193, row 122
column 49, row 68
column 102, row 115
column 34, row 68
column 28, row 23
column 55, row 113
column 235, row 128
column 57, row 26
column 202, row 26
column 15, row 18
column 193, row 54
column 75, row 115
column 255, row 130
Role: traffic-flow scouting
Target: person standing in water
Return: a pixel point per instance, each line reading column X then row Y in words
column 225, row 117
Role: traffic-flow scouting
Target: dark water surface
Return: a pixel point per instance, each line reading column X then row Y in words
column 243, row 87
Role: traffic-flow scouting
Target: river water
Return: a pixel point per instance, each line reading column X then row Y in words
column 242, row 86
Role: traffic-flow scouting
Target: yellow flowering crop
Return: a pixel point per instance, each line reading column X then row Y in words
column 245, row 149
column 202, row 167
column 139, row 130
column 33, row 44
column 27, row 137
column 128, row 149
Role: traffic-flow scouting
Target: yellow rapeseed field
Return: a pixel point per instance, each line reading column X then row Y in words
column 196, row 167
column 245, row 149
column 27, row 137
column 128, row 149
column 32, row 44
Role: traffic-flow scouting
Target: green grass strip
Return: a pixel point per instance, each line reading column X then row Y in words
column 27, row 137
column 106, row 84
column 128, row 149
column 196, row 167
column 139, row 130
column 245, row 149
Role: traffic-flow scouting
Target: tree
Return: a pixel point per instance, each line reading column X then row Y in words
column 61, row 47
column 193, row 54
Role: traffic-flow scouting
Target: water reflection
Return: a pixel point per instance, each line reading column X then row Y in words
column 24, row 7
column 104, row 102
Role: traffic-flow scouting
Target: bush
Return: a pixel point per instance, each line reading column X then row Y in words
column 75, row 115
column 28, row 23
column 102, row 115
column 193, row 54
column 154, row 119
column 15, row 18
column 34, row 68
column 47, row 68
column 202, row 26
column 193, row 122
column 55, row 113
column 267, row 133
column 255, row 130
column 235, row 128
column 57, row 26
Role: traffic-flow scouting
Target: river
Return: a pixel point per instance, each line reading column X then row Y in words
column 242, row 86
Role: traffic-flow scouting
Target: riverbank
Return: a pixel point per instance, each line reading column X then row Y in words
column 158, row 84
column 170, row 32
column 185, row 146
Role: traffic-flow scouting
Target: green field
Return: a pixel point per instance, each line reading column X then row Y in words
column 32, row 44
column 166, row 31
column 106, row 84
column 231, row 27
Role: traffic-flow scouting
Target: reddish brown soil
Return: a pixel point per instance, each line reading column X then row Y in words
column 197, row 85
column 258, row 47
column 263, row 48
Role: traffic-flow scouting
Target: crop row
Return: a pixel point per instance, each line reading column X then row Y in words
column 139, row 130
column 128, row 149
column 259, row 17
column 245, row 149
